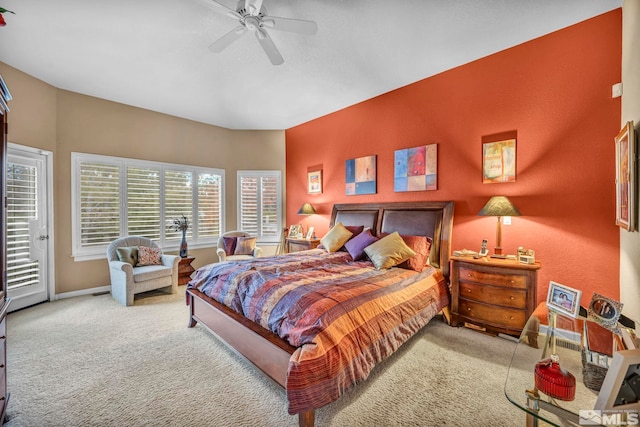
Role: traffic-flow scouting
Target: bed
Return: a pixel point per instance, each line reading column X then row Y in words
column 250, row 305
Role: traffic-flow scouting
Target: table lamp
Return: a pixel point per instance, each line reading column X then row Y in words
column 499, row 206
column 306, row 210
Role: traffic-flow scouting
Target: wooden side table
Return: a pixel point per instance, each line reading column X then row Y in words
column 296, row 245
column 185, row 269
column 495, row 295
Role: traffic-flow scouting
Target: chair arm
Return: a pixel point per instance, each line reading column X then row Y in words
column 121, row 266
column 257, row 252
column 222, row 255
column 170, row 260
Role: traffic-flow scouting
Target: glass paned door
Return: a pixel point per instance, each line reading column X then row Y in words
column 27, row 235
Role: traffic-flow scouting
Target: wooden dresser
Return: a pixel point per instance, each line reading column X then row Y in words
column 495, row 295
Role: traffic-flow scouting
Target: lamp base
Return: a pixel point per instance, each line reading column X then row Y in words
column 499, row 256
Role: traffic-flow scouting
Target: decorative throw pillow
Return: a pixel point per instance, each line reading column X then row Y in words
column 335, row 238
column 245, row 245
column 389, row 251
column 229, row 245
column 421, row 245
column 355, row 230
column 355, row 246
column 149, row 256
column 128, row 254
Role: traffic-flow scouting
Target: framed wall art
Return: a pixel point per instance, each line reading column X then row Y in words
column 416, row 169
column 314, row 182
column 499, row 161
column 360, row 176
column 625, row 147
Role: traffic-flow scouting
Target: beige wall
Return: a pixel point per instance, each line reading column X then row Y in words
column 630, row 242
column 64, row 122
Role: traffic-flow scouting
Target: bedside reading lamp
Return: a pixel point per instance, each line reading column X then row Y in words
column 306, row 210
column 499, row 206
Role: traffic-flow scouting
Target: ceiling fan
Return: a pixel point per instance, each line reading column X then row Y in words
column 253, row 17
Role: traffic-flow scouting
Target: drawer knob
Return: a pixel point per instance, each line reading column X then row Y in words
column 468, row 274
column 468, row 290
column 510, row 317
column 468, row 308
column 511, row 298
column 512, row 281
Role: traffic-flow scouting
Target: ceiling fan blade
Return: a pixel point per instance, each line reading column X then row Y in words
column 299, row 26
column 220, row 8
column 224, row 41
column 269, row 47
column 253, row 6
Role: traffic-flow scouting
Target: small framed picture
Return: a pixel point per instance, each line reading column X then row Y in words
column 310, row 233
column 314, row 182
column 605, row 311
column 294, row 230
column 625, row 146
column 621, row 387
column 563, row 299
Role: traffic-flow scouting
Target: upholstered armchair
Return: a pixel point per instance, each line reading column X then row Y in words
column 237, row 245
column 136, row 264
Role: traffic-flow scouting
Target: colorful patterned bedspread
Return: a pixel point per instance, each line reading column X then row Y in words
column 343, row 316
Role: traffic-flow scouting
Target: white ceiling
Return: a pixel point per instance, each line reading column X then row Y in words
column 154, row 54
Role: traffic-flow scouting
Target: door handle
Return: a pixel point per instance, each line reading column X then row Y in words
column 43, row 238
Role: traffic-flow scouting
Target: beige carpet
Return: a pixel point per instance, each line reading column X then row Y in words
column 88, row 361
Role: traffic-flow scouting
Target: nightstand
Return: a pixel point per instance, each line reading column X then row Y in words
column 496, row 295
column 296, row 245
column 185, row 269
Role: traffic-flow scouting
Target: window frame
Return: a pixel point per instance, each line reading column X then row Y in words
column 260, row 174
column 84, row 253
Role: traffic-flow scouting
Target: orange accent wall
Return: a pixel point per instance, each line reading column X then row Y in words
column 553, row 92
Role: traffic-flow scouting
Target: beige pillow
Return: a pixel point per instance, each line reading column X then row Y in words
column 245, row 245
column 389, row 251
column 335, row 238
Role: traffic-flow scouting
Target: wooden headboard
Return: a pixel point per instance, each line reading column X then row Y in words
column 431, row 219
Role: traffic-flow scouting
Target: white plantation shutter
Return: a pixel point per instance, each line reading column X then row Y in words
column 259, row 204
column 143, row 202
column 99, row 203
column 209, row 220
column 115, row 197
column 178, row 195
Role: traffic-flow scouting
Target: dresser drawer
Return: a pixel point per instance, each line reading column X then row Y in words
column 503, row 317
column 498, row 279
column 508, row 297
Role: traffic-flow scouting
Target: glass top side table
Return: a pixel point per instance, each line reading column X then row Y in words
column 545, row 333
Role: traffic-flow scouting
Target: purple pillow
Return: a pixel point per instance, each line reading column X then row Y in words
column 229, row 245
column 356, row 245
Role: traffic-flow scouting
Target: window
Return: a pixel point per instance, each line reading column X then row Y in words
column 116, row 197
column 259, row 204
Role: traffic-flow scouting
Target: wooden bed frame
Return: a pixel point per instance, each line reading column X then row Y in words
column 271, row 354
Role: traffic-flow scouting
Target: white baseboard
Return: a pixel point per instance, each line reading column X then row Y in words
column 72, row 294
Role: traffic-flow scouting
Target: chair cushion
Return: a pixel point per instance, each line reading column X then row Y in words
column 128, row 254
column 150, row 272
column 245, row 245
column 229, row 245
column 149, row 256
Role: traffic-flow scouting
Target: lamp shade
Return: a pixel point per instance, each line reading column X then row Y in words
column 306, row 209
column 499, row 206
